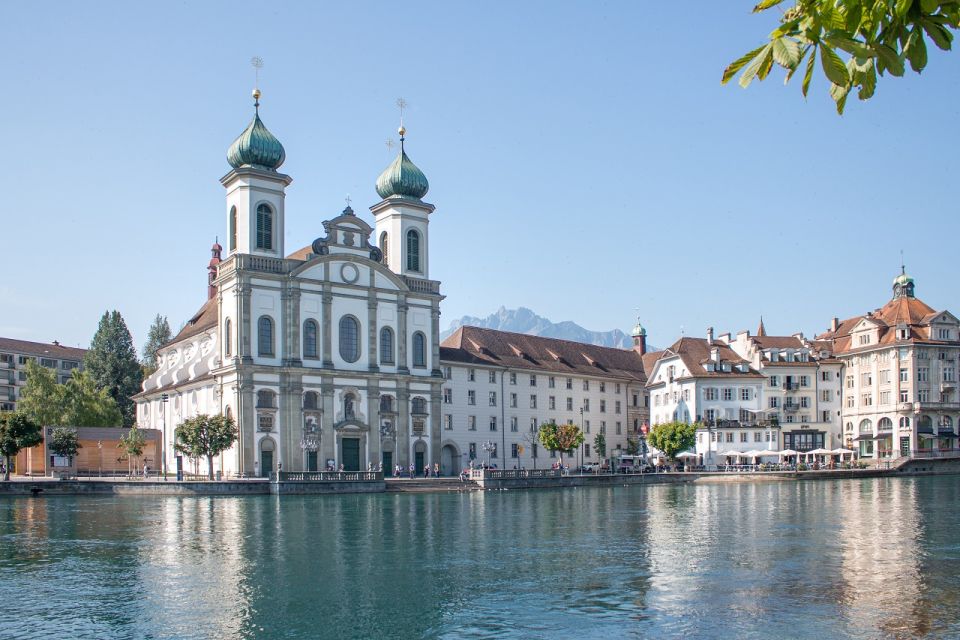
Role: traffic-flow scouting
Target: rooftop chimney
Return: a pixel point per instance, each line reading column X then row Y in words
column 709, row 335
column 834, row 324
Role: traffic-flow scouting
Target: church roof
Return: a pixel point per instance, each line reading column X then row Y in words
column 256, row 146
column 202, row 320
column 475, row 345
column 402, row 177
column 905, row 310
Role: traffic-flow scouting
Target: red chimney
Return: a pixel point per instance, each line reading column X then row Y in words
column 215, row 251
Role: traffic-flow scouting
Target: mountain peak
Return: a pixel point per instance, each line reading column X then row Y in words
column 524, row 320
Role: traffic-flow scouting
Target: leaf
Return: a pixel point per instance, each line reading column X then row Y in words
column 864, row 76
column 916, row 50
column 786, row 52
column 903, row 6
column 738, row 64
column 833, row 66
column 929, row 6
column 766, row 4
column 842, row 41
column 755, row 67
column 888, row 56
column 839, row 95
column 793, row 70
column 940, row 36
column 809, row 73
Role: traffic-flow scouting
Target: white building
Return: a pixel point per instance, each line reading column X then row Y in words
column 14, row 355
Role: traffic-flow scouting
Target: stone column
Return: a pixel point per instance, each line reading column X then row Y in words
column 402, row 309
column 327, row 442
column 435, row 337
column 402, row 453
column 247, row 421
column 373, row 419
column 290, row 321
column 435, row 423
column 327, row 316
column 372, row 330
column 244, row 338
column 291, row 421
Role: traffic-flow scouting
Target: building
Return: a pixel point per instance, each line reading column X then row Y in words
column 499, row 387
column 99, row 453
column 328, row 356
column 14, row 355
column 899, row 376
column 801, row 389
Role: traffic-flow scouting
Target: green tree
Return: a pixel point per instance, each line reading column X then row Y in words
column 41, row 399
column 205, row 436
column 64, row 442
column 600, row 444
column 17, row 432
column 159, row 334
column 112, row 363
column 560, row 437
column 875, row 37
column 633, row 446
column 84, row 405
column 132, row 443
column 672, row 437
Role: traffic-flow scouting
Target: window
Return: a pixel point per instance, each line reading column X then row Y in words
column 493, row 452
column 448, row 373
column 513, row 401
column 552, row 382
column 533, row 402
column 264, row 227
column 884, row 397
column 569, row 404
column 586, row 404
column 686, row 395
column 447, row 396
column 943, row 334
column 603, row 427
column 757, row 435
column 349, row 339
column 472, row 447
column 603, row 406
column 824, row 416
column 826, row 395
column 492, row 399
column 310, row 339
column 616, row 406
column 774, row 381
column 730, row 436
column 586, row 385
column 232, row 242
column 419, row 350
column 745, row 394
column 743, row 436
column 849, row 382
column 825, row 376
column 513, row 378
column 413, row 250
column 493, row 423
column 619, row 428
column 727, row 394
column 514, row 452
column 265, row 399
column 948, row 374
column 804, row 402
column 533, row 425
column 447, row 422
column 866, row 400
column 923, row 395
column 533, row 380
column 385, row 246
column 265, row 336
column 513, row 424
column 69, row 365
column 227, row 338
column 635, row 398
column 603, row 387
column 586, row 426
column 493, row 377
column 471, row 396
column 923, row 374
column 471, row 426
column 850, row 401
column 386, row 347
column 349, row 406
column 569, row 383
column 864, row 339
column 884, row 376
column 774, row 403
column 710, row 393
column 586, row 451
column 618, row 388
column 471, row 375
column 552, row 402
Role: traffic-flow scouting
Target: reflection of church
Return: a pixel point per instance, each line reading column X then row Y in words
column 328, row 355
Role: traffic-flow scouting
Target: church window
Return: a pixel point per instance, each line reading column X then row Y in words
column 233, row 228
column 384, row 247
column 265, row 227
column 419, row 406
column 265, row 336
column 265, row 399
column 310, row 400
column 386, row 346
column 349, row 339
column 413, row 250
column 419, row 350
column 310, row 339
column 227, row 338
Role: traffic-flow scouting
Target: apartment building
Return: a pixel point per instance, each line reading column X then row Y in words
column 14, row 355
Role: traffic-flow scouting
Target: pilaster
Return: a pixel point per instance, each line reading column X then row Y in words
column 372, row 329
column 327, row 442
column 373, row 419
column 291, row 421
column 402, row 309
column 290, row 304
column 326, row 308
column 247, row 421
column 243, row 321
column 402, row 453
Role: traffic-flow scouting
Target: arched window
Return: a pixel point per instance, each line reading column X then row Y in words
column 885, row 424
column 349, row 339
column 227, row 338
column 419, row 350
column 413, row 250
column 310, row 400
column 946, row 421
column 384, row 247
column 419, row 406
column 926, row 423
column 265, row 399
column 265, row 336
column 310, row 339
column 265, row 227
column 233, row 228
column 904, row 423
column 866, row 426
column 349, row 412
column 386, row 346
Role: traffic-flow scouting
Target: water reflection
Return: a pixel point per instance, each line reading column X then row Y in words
column 859, row 559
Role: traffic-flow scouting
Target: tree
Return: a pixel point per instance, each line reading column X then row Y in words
column 633, row 446
column 64, row 442
column 672, row 437
column 17, row 432
column 560, row 437
column 112, row 363
column 132, row 443
column 206, row 436
column 41, row 398
column 875, row 36
column 159, row 334
column 84, row 405
column 600, row 444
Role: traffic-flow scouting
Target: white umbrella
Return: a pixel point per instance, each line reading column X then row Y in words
column 732, row 453
column 687, row 454
column 841, row 451
column 753, row 453
column 819, row 452
column 787, row 452
column 766, row 452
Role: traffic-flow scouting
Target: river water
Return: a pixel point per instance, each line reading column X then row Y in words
column 875, row 558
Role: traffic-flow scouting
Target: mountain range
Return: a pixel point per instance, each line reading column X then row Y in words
column 525, row 321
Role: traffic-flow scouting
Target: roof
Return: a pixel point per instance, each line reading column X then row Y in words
column 490, row 347
column 778, row 342
column 41, row 349
column 173, row 386
column 914, row 313
column 696, row 352
column 205, row 318
column 301, row 254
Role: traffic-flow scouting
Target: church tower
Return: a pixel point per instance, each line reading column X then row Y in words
column 402, row 217
column 903, row 284
column 255, row 191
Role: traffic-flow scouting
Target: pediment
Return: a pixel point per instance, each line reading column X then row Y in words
column 341, row 268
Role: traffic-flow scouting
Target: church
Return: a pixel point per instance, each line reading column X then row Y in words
column 326, row 356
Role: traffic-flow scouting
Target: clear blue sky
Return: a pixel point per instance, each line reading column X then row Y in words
column 583, row 157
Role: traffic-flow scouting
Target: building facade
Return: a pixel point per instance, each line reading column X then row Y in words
column 14, row 355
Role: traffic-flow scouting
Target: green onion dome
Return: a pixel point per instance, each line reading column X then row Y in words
column 638, row 330
column 902, row 279
column 402, row 177
column 256, row 146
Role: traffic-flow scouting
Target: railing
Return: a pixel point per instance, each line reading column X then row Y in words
column 419, row 285
column 328, row 476
column 791, row 408
column 791, row 386
column 513, row 474
column 935, row 453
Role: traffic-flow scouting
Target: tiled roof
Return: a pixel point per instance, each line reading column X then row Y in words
column 695, row 353
column 778, row 342
column 204, row 319
column 301, row 254
column 912, row 312
column 41, row 349
column 474, row 345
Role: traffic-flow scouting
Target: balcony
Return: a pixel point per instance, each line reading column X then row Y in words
column 790, row 407
column 791, row 386
column 420, row 285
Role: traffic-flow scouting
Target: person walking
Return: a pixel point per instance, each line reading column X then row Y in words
column 413, row 471
column 436, row 469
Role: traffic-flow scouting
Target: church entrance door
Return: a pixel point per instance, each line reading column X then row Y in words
column 387, row 464
column 350, row 454
column 418, row 462
column 266, row 463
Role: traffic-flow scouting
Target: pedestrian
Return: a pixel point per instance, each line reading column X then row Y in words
column 426, row 471
column 412, row 470
column 436, row 470
column 146, row 470
column 341, row 466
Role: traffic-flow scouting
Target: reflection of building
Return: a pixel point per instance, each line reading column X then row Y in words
column 14, row 355
column 900, row 376
column 99, row 452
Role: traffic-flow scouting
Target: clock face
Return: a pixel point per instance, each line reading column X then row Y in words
column 897, row 289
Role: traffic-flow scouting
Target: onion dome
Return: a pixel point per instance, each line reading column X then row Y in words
column 638, row 330
column 902, row 279
column 402, row 177
column 256, row 146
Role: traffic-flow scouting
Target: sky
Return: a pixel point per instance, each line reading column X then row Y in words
column 583, row 157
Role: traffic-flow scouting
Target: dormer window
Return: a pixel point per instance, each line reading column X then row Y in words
column 864, row 339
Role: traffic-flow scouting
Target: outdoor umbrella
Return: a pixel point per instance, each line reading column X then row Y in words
column 687, row 454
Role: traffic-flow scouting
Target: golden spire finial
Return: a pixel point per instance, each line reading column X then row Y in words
column 401, row 104
column 257, row 63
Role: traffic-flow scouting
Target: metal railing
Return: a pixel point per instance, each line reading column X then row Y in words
column 328, row 476
column 935, row 453
column 513, row 474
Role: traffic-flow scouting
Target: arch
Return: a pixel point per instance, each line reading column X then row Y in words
column 885, row 424
column 419, row 406
column 946, row 421
column 926, row 422
column 385, row 247
column 904, row 423
column 413, row 250
column 449, row 459
column 386, row 346
column 866, row 426
column 310, row 331
column 419, row 349
column 349, row 338
column 264, row 227
column 268, row 450
column 227, row 338
column 386, row 404
column 265, row 336
column 233, row 229
column 310, row 400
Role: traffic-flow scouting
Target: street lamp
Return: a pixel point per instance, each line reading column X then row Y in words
column 163, row 450
column 489, row 447
column 583, row 456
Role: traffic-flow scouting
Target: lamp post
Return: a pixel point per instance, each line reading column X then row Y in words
column 100, row 458
column 583, row 456
column 163, row 451
column 489, row 447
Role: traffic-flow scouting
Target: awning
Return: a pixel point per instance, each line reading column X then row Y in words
column 865, row 437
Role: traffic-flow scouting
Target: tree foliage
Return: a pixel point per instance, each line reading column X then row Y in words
column 132, row 443
column 64, row 442
column 854, row 41
column 633, row 446
column 77, row 403
column 560, row 437
column 158, row 335
column 17, row 432
column 205, row 436
column 672, row 437
column 112, row 363
column 600, row 445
